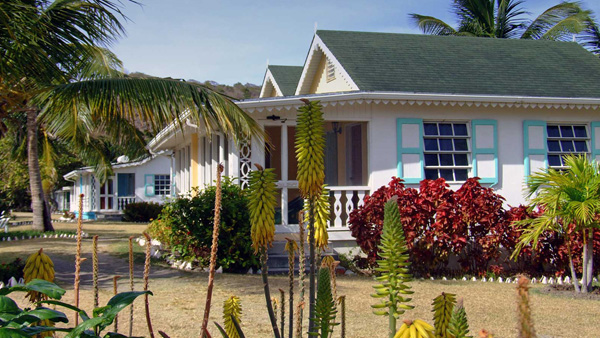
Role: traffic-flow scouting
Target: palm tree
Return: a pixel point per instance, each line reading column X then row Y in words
column 54, row 66
column 569, row 197
column 505, row 19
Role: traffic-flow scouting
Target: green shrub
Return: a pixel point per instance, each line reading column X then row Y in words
column 141, row 211
column 185, row 226
column 14, row 269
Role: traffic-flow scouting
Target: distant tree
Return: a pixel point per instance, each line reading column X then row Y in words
column 506, row 19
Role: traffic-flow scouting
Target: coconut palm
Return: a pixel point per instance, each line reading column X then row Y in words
column 55, row 67
column 506, row 19
column 568, row 197
column 590, row 38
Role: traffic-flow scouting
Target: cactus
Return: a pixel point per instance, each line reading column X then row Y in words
column 321, row 215
column 78, row 257
column 325, row 309
column 459, row 325
column 232, row 310
column 146, row 281
column 115, row 291
column 394, row 268
column 213, row 251
column 95, row 269
column 291, row 248
column 131, row 284
column 261, row 204
column 526, row 329
column 282, row 316
column 310, row 153
column 342, row 302
column 442, row 313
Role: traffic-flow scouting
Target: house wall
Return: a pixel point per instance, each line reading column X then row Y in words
column 160, row 165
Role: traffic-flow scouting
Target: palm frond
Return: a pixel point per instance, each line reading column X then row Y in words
column 508, row 18
column 431, row 25
column 590, row 37
column 558, row 22
column 154, row 101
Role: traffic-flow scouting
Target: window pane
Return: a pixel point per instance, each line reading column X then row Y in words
column 460, row 129
column 566, row 131
column 445, row 129
column 553, row 146
column 552, row 131
column 446, row 144
column 446, row 159
column 431, row 160
column 580, row 131
column 460, row 159
column 567, row 146
column 460, row 144
column 447, row 174
column 461, row 174
column 431, row 144
column 554, row 160
column 430, row 128
column 431, row 174
column 581, row 146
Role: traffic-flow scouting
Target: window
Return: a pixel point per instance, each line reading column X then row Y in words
column 446, row 151
column 565, row 139
column 162, row 185
column 330, row 71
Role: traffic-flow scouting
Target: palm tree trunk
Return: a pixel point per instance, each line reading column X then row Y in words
column 41, row 213
column 590, row 259
column 584, row 279
column 572, row 267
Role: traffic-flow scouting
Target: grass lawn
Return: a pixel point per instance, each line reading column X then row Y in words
column 178, row 302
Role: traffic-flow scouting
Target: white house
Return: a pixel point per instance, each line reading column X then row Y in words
column 412, row 106
column 147, row 180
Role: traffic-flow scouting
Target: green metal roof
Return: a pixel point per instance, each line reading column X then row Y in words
column 287, row 78
column 465, row 65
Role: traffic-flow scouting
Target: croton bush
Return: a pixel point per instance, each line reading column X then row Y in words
column 185, row 226
column 469, row 224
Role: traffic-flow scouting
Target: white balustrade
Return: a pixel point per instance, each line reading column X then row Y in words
column 123, row 201
column 343, row 200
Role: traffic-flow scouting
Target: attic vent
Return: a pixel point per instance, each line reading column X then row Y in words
column 330, row 71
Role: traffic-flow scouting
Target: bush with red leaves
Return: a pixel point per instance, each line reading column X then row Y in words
column 470, row 224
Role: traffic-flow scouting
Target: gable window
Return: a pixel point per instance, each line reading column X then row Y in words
column 162, row 185
column 446, row 151
column 330, row 71
column 563, row 139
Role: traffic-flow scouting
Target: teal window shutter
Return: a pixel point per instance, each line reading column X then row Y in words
column 535, row 151
column 595, row 137
column 149, row 185
column 410, row 150
column 485, row 150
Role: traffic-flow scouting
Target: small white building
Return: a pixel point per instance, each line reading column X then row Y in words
column 412, row 106
column 147, row 180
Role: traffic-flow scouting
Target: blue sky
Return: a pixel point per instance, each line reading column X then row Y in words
column 230, row 41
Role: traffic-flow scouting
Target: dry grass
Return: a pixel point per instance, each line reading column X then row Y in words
column 178, row 300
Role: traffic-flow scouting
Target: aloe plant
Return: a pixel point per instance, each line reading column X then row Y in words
column 442, row 313
column 393, row 267
column 458, row 326
column 325, row 309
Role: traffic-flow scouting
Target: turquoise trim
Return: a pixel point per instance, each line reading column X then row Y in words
column 595, row 151
column 173, row 186
column 148, row 185
column 88, row 215
column 81, row 184
column 493, row 151
column 410, row 150
column 527, row 151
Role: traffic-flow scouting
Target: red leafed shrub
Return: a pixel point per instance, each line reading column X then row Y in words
column 470, row 224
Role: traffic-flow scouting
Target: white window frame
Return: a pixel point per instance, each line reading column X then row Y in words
column 561, row 153
column 469, row 152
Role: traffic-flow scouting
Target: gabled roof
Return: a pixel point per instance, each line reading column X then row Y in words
column 389, row 62
column 286, row 78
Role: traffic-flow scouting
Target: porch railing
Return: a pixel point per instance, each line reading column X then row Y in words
column 343, row 200
column 123, row 201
